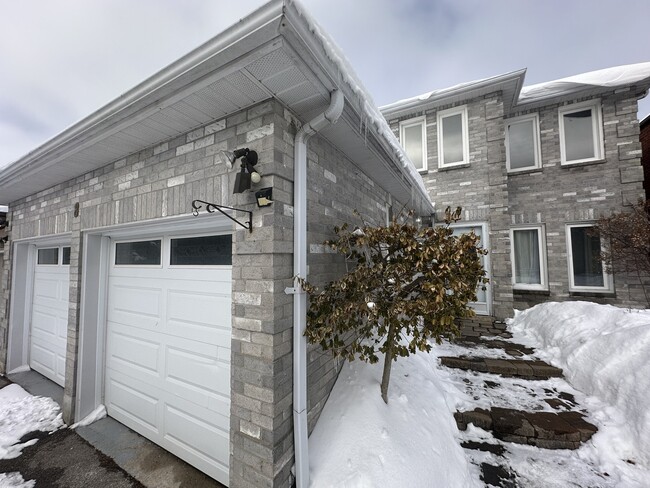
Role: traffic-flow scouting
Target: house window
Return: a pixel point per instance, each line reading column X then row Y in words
column 528, row 256
column 453, row 144
column 522, row 143
column 581, row 133
column 586, row 271
column 412, row 134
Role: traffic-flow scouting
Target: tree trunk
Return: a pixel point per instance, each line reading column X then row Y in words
column 388, row 362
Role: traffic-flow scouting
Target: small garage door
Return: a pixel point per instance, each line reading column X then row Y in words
column 49, row 318
column 168, row 345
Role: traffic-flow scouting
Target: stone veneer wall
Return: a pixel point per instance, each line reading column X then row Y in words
column 557, row 195
column 478, row 187
column 335, row 189
column 554, row 195
column 161, row 181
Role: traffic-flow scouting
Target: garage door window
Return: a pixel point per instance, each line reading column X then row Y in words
column 139, row 253
column 48, row 256
column 65, row 257
column 201, row 251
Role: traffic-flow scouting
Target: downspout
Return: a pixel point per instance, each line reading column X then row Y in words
column 300, row 432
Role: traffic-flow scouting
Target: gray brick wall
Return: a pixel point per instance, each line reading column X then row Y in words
column 553, row 195
column 161, row 181
column 478, row 187
column 556, row 195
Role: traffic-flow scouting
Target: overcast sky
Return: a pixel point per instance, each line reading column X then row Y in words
column 61, row 60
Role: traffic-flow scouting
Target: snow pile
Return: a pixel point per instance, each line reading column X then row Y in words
column 97, row 414
column 361, row 442
column 22, row 413
column 15, row 480
column 606, row 78
column 605, row 353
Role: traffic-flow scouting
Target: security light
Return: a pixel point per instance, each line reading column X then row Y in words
column 247, row 175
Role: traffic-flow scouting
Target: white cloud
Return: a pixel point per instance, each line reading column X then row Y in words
column 60, row 61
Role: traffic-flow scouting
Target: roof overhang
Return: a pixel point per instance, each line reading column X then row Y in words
column 275, row 52
column 509, row 84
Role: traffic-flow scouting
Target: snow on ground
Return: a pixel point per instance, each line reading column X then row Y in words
column 22, row 413
column 604, row 352
column 15, row 480
column 361, row 442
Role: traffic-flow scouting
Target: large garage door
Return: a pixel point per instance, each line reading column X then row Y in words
column 49, row 327
column 168, row 345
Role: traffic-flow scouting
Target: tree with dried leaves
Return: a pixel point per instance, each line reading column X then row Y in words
column 408, row 286
column 626, row 238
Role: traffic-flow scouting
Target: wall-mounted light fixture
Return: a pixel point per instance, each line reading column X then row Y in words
column 247, row 175
column 264, row 197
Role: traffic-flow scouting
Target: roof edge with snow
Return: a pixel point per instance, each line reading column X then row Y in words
column 524, row 97
column 279, row 22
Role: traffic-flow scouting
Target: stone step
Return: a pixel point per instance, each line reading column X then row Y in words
column 563, row 430
column 511, row 348
column 514, row 368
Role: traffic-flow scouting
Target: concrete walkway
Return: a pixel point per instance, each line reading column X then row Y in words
column 105, row 453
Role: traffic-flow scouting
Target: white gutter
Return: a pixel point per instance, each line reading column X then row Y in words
column 300, row 431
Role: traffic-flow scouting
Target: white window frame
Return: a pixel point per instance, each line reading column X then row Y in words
column 534, row 118
column 596, row 126
column 607, row 278
column 449, row 113
column 422, row 122
column 543, row 271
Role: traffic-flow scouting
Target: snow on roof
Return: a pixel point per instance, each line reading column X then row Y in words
column 605, row 78
column 370, row 110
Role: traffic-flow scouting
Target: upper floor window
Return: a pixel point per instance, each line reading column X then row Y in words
column 453, row 143
column 581, row 133
column 412, row 134
column 522, row 143
column 586, row 270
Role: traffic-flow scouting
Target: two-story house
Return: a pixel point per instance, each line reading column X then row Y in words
column 533, row 168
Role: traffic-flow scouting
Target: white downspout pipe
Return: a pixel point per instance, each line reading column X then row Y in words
column 300, row 432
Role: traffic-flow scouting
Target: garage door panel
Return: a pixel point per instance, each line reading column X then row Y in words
column 125, row 350
column 202, row 308
column 199, row 374
column 185, row 428
column 132, row 403
column 43, row 357
column 135, row 305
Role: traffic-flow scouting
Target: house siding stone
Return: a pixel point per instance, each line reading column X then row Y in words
column 161, row 181
column 553, row 195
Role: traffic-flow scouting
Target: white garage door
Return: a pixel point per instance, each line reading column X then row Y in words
column 49, row 327
column 168, row 345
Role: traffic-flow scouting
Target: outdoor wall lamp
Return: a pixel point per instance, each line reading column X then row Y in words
column 247, row 175
column 264, row 197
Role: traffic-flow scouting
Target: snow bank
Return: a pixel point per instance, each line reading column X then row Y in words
column 361, row 442
column 22, row 413
column 604, row 352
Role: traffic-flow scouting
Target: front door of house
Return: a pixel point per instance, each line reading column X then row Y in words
column 482, row 305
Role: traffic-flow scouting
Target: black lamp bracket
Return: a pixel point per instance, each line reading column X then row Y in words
column 211, row 207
